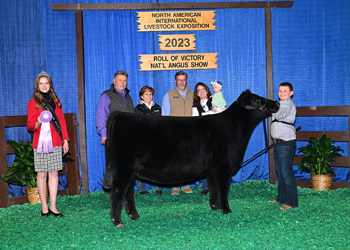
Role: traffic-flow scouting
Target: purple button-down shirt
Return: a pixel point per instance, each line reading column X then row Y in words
column 103, row 112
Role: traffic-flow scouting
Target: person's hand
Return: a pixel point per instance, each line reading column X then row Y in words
column 38, row 122
column 215, row 108
column 103, row 140
column 65, row 147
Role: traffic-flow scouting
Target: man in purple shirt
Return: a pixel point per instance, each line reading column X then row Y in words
column 116, row 98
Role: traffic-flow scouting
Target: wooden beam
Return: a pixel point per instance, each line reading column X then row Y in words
column 3, row 164
column 269, row 86
column 72, row 168
column 81, row 99
column 342, row 161
column 169, row 6
column 324, row 111
column 14, row 121
column 333, row 135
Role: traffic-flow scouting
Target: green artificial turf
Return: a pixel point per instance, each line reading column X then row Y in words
column 322, row 221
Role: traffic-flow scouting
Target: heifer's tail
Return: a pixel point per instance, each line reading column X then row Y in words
column 108, row 178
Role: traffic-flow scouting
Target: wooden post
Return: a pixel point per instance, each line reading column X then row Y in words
column 269, row 83
column 81, row 98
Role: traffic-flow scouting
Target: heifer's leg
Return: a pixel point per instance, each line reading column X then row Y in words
column 117, row 200
column 122, row 192
column 108, row 178
column 129, row 203
column 223, row 182
column 213, row 194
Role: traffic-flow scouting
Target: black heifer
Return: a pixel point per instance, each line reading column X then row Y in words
column 173, row 150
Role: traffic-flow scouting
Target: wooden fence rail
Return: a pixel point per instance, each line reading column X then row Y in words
column 71, row 169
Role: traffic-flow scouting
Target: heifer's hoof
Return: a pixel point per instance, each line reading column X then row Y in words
column 228, row 211
column 134, row 217
column 118, row 225
column 214, row 207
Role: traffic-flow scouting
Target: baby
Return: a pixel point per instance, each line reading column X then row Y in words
column 218, row 102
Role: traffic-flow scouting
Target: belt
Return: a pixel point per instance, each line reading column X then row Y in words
column 277, row 140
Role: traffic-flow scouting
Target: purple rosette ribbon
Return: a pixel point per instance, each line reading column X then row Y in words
column 45, row 139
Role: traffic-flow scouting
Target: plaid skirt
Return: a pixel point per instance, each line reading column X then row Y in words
column 48, row 162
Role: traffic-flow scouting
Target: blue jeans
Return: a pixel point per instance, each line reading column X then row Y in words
column 287, row 188
column 182, row 187
column 141, row 186
column 205, row 184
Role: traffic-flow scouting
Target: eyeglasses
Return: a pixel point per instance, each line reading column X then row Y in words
column 200, row 90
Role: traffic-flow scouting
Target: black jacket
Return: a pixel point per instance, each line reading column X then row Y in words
column 142, row 109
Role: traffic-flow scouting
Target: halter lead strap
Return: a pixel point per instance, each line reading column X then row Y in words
column 288, row 123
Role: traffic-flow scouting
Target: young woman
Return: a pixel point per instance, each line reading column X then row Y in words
column 47, row 142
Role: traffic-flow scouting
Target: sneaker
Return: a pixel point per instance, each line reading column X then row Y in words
column 159, row 192
column 187, row 190
column 175, row 191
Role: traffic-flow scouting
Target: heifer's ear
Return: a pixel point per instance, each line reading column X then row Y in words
column 248, row 91
column 241, row 95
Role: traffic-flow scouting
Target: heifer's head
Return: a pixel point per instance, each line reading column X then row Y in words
column 250, row 101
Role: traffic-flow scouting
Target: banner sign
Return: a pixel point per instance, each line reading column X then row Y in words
column 178, row 61
column 176, row 20
column 177, row 42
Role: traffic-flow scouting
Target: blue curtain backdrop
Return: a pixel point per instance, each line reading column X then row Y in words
column 310, row 50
